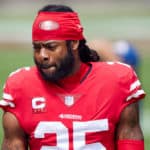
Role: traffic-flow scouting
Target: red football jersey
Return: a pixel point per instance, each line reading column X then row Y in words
column 83, row 118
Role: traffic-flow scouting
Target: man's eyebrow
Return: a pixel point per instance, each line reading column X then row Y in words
column 43, row 43
column 51, row 42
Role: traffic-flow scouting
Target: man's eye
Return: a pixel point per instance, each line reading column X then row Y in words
column 36, row 47
column 50, row 47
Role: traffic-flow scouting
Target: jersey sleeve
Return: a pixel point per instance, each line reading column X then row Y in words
column 135, row 91
column 11, row 97
column 131, row 86
column 8, row 98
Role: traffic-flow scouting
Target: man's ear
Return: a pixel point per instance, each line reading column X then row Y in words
column 75, row 44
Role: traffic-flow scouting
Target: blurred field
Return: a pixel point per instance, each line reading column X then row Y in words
column 110, row 21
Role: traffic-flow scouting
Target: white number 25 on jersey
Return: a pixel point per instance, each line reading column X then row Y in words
column 79, row 131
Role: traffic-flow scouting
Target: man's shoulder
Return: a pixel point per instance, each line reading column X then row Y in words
column 22, row 74
column 110, row 65
column 113, row 69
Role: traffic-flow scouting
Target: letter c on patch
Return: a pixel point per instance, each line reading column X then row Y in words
column 38, row 103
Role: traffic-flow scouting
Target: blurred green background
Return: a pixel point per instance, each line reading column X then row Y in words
column 111, row 19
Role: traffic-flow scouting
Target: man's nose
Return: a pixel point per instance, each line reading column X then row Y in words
column 44, row 53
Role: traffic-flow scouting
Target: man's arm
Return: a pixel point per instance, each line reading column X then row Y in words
column 14, row 137
column 129, row 133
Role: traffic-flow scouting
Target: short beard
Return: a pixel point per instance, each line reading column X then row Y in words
column 65, row 68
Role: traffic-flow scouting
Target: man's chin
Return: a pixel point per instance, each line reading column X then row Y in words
column 47, row 76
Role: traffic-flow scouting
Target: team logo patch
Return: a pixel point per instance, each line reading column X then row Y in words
column 69, row 100
column 49, row 25
column 38, row 104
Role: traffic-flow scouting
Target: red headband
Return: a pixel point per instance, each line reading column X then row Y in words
column 57, row 26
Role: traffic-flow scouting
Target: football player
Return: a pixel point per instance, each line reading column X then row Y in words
column 69, row 100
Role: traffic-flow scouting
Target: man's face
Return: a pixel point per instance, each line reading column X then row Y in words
column 54, row 59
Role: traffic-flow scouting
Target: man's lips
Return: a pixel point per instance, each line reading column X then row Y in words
column 51, row 68
column 47, row 66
